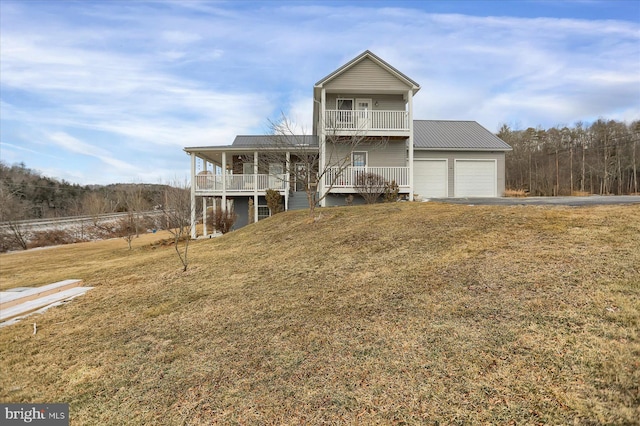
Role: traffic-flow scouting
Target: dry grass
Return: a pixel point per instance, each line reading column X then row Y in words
column 517, row 193
column 580, row 194
column 396, row 313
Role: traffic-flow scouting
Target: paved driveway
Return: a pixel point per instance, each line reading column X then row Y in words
column 558, row 201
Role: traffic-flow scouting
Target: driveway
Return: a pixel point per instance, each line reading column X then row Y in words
column 538, row 201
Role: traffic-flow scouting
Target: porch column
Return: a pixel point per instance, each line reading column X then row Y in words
column 287, row 185
column 322, row 141
column 255, row 170
column 223, row 204
column 410, row 142
column 255, row 207
column 204, row 216
column 193, row 195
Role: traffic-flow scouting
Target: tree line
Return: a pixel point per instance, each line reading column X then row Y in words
column 600, row 158
column 26, row 194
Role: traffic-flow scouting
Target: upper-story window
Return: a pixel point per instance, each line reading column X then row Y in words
column 343, row 104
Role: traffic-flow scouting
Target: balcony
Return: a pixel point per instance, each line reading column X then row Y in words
column 345, row 179
column 382, row 122
column 210, row 184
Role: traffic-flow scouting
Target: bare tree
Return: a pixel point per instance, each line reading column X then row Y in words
column 127, row 227
column 95, row 205
column 13, row 212
column 176, row 209
column 305, row 169
column 135, row 203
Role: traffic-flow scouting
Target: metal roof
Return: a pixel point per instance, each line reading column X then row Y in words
column 274, row 141
column 445, row 135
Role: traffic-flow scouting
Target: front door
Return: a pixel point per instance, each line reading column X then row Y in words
column 363, row 112
column 301, row 177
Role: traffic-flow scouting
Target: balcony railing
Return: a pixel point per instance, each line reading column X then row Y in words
column 349, row 177
column 366, row 120
column 241, row 183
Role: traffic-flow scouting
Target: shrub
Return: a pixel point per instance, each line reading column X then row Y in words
column 515, row 193
column 52, row 237
column 223, row 220
column 391, row 192
column 274, row 201
column 252, row 211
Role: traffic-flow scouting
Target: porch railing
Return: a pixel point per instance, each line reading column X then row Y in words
column 348, row 177
column 241, row 183
column 366, row 120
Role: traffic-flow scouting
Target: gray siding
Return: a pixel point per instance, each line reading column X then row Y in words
column 468, row 155
column 393, row 154
column 366, row 75
column 386, row 102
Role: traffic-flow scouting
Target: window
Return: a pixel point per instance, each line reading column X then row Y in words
column 343, row 104
column 263, row 212
column 359, row 159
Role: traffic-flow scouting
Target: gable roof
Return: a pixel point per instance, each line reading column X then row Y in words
column 274, row 141
column 448, row 135
column 364, row 55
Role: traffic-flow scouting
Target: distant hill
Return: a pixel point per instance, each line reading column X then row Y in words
column 30, row 195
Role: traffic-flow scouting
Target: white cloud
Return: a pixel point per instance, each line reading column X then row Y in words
column 180, row 37
column 75, row 145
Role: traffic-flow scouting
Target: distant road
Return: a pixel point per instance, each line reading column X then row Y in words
column 591, row 200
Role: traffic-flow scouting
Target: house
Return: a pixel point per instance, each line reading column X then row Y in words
column 362, row 125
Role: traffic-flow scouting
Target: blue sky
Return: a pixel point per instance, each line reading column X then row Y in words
column 98, row 92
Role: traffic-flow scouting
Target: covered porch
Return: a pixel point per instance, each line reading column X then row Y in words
column 224, row 173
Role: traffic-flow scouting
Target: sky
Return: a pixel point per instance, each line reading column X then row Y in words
column 99, row 92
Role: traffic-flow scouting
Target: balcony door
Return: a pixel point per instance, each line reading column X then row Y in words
column 275, row 175
column 344, row 118
column 363, row 113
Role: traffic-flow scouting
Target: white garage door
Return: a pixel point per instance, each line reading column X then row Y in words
column 475, row 178
column 430, row 178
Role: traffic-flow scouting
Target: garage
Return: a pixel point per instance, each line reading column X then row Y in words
column 430, row 178
column 475, row 178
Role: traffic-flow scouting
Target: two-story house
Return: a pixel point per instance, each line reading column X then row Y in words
column 362, row 123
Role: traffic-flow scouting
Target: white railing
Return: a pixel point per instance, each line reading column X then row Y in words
column 347, row 177
column 241, row 183
column 366, row 120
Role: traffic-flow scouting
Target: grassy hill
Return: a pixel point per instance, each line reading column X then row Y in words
column 403, row 313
